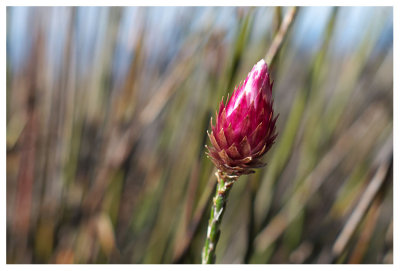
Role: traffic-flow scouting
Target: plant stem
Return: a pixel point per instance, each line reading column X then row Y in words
column 217, row 210
column 280, row 35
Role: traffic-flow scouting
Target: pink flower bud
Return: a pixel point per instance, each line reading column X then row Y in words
column 245, row 126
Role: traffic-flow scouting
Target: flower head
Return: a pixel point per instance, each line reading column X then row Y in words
column 245, row 125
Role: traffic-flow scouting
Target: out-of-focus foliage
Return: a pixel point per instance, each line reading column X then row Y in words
column 107, row 112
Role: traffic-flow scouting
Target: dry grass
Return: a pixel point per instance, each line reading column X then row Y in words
column 106, row 128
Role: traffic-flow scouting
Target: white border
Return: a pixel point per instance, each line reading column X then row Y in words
column 396, row 134
column 396, row 131
column 199, row 3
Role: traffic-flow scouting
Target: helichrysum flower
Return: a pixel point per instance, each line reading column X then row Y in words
column 245, row 125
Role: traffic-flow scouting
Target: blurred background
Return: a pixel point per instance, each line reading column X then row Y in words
column 107, row 112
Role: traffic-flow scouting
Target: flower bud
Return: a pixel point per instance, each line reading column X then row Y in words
column 245, row 125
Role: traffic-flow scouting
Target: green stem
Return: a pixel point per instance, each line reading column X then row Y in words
column 217, row 210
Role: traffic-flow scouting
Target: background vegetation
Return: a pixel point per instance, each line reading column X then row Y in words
column 107, row 112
